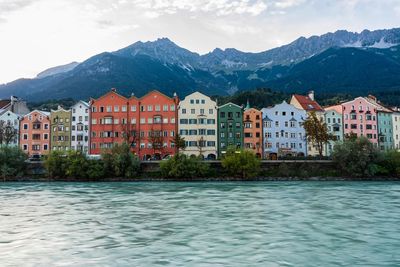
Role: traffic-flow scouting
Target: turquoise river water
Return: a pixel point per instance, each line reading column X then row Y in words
column 200, row 224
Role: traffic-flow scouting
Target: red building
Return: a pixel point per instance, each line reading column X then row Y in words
column 147, row 124
column 158, row 125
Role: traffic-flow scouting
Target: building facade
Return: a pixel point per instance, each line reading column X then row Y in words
column 283, row 131
column 396, row 128
column 80, row 127
column 230, row 128
column 158, row 125
column 60, row 126
column 334, row 122
column 15, row 105
column 35, row 133
column 253, row 131
column 360, row 118
column 9, row 125
column 198, row 125
column 385, row 130
column 109, row 116
column 309, row 104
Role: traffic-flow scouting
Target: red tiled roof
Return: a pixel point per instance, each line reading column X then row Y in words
column 308, row 104
column 4, row 103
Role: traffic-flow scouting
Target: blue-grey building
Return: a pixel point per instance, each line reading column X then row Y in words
column 283, row 131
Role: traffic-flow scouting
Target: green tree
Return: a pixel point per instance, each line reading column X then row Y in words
column 390, row 163
column 121, row 162
column 12, row 162
column 56, row 164
column 179, row 142
column 243, row 163
column 356, row 157
column 317, row 132
column 183, row 167
column 76, row 165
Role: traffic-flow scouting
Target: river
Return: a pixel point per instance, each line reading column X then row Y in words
column 200, row 224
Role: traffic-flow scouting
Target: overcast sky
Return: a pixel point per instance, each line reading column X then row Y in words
column 38, row 34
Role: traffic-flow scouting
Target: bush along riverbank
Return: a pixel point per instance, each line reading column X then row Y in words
column 353, row 159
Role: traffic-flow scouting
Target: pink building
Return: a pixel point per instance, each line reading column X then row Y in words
column 360, row 117
column 35, row 133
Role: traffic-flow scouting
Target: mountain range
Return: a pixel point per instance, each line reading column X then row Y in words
column 339, row 62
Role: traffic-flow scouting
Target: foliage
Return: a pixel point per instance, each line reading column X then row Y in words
column 12, row 162
column 260, row 98
column 179, row 142
column 95, row 169
column 317, row 132
column 56, row 164
column 76, row 165
column 390, row 163
column 8, row 133
column 243, row 163
column 184, row 167
column 356, row 157
column 121, row 162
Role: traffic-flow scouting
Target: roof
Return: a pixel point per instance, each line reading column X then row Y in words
column 4, row 103
column 230, row 103
column 307, row 103
column 337, row 108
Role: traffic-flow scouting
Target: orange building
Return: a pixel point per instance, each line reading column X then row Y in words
column 35, row 133
column 147, row 124
column 253, row 130
column 158, row 125
column 112, row 121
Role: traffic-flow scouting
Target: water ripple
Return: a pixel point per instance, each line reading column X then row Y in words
column 200, row 224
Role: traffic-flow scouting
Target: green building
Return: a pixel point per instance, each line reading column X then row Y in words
column 60, row 125
column 230, row 127
column 334, row 122
column 385, row 130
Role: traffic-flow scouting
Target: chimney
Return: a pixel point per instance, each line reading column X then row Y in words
column 373, row 98
column 311, row 95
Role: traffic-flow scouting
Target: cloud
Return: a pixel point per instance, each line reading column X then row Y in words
column 7, row 6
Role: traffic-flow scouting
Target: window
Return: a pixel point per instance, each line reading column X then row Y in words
column 184, row 111
column 123, row 108
column 172, row 108
column 202, row 111
column 133, row 108
column 109, row 109
column 210, row 121
column 222, row 114
column 157, row 108
column 116, row 108
column 210, row 111
column 149, row 108
column 25, row 126
column 165, row 107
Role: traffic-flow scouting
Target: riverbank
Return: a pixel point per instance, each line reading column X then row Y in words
column 274, row 171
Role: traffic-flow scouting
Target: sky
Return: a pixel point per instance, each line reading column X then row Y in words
column 39, row 34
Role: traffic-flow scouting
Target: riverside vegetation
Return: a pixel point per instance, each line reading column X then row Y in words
column 354, row 157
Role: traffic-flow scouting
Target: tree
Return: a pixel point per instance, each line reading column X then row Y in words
column 184, row 167
column 129, row 133
column 12, row 162
column 317, row 132
column 179, row 142
column 8, row 133
column 356, row 157
column 243, row 163
column 157, row 141
column 201, row 145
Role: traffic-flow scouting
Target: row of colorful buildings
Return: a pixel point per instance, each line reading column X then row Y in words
column 150, row 124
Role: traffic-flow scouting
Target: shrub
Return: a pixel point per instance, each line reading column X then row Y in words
column 184, row 167
column 76, row 165
column 95, row 169
column 56, row 164
column 390, row 163
column 356, row 157
column 120, row 162
column 243, row 163
column 12, row 162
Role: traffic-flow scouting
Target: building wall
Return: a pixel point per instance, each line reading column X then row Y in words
column 283, row 130
column 11, row 119
column 80, row 127
column 253, row 131
column 198, row 125
column 60, row 127
column 360, row 118
column 230, row 127
column 108, row 120
column 35, row 133
column 396, row 130
column 334, row 123
column 158, row 124
column 385, row 131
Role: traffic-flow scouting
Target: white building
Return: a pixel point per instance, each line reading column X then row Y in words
column 283, row 131
column 396, row 128
column 8, row 119
column 198, row 125
column 80, row 127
